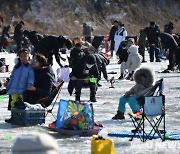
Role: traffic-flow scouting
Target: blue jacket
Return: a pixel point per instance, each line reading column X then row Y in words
column 20, row 78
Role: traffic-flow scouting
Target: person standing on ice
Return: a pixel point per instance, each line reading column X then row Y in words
column 168, row 28
column 18, row 35
column 142, row 44
column 119, row 36
column 144, row 78
column 87, row 32
column 112, row 34
column 152, row 33
column 50, row 45
column 169, row 43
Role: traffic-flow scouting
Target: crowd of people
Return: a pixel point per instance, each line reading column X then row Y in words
column 33, row 78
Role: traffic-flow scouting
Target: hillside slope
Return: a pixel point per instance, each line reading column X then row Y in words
column 67, row 16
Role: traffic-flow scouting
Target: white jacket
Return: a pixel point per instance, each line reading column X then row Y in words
column 119, row 36
column 134, row 59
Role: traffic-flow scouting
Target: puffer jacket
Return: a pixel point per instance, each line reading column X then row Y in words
column 134, row 59
column 139, row 89
column 20, row 78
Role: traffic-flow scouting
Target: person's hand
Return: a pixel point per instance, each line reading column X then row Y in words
column 31, row 88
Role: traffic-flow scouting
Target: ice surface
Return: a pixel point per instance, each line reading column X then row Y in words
column 105, row 108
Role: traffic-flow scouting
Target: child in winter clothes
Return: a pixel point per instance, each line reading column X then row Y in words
column 144, row 79
column 133, row 62
column 21, row 77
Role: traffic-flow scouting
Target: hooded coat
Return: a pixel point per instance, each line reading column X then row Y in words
column 21, row 76
column 139, row 89
column 134, row 59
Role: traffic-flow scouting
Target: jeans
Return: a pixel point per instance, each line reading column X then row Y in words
column 131, row 101
column 154, row 51
column 141, row 50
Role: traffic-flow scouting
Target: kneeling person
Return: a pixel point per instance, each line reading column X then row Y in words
column 85, row 70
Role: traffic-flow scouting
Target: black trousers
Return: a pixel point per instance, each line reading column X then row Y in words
column 154, row 51
column 171, row 59
column 80, row 84
column 142, row 51
column 19, row 44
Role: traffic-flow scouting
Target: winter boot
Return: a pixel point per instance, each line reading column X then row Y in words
column 121, row 77
column 93, row 98
column 98, row 84
column 129, row 76
column 10, row 120
column 119, row 116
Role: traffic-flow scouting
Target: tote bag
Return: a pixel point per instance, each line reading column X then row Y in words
column 75, row 115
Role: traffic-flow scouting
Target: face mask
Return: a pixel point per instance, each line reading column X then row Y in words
column 89, row 66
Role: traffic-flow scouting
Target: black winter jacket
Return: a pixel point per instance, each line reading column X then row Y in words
column 101, row 64
column 81, row 71
column 152, row 34
column 112, row 33
column 44, row 79
column 168, row 42
column 50, row 46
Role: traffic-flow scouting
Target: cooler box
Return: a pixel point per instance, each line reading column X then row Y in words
column 27, row 117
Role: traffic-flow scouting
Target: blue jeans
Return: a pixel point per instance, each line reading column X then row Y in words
column 131, row 101
column 154, row 51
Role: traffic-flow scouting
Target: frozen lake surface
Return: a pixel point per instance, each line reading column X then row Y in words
column 105, row 108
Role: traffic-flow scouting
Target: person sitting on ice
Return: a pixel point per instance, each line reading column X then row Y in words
column 133, row 62
column 144, row 78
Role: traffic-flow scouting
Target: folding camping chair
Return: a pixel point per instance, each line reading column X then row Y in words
column 47, row 101
column 153, row 111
